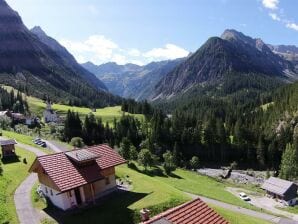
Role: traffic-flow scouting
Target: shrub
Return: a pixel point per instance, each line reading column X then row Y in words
column 77, row 142
column 169, row 162
column 145, row 158
column 194, row 162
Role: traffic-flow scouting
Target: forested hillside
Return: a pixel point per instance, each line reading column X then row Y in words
column 28, row 62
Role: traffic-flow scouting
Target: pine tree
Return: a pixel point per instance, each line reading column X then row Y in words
column 289, row 162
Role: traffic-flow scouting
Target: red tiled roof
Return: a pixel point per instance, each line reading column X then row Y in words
column 193, row 212
column 66, row 175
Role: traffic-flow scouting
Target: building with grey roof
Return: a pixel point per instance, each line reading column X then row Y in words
column 282, row 190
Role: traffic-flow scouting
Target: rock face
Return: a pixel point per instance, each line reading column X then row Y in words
column 218, row 57
column 132, row 81
column 33, row 59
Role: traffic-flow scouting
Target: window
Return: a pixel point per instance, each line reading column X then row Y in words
column 46, row 190
column 51, row 192
column 69, row 194
column 107, row 179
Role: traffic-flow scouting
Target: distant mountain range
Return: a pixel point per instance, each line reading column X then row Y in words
column 39, row 64
column 130, row 80
column 220, row 57
column 211, row 64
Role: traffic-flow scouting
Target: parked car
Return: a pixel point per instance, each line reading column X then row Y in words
column 244, row 196
column 39, row 142
column 36, row 140
column 43, row 144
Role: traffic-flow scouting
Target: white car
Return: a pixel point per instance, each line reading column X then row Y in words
column 244, row 196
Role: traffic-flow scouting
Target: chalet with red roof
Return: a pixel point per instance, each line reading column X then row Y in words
column 77, row 177
column 193, row 212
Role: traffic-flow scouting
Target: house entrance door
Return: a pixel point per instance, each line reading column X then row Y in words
column 78, row 196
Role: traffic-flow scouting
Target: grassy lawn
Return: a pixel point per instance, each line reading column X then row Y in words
column 292, row 209
column 107, row 114
column 37, row 106
column 194, row 183
column 13, row 174
column 156, row 192
column 25, row 139
column 124, row 207
column 237, row 218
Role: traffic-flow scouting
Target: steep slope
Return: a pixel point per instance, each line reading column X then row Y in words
column 132, row 81
column 28, row 63
column 218, row 57
column 67, row 58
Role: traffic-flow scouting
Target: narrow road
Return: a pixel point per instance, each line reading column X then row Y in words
column 245, row 211
column 56, row 147
column 27, row 214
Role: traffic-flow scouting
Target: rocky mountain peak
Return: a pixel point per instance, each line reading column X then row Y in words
column 38, row 31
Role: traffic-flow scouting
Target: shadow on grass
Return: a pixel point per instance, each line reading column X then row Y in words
column 152, row 171
column 112, row 209
column 11, row 159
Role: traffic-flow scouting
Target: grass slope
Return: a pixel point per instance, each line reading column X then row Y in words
column 237, row 218
column 25, row 139
column 158, row 193
column 194, row 183
column 107, row 114
column 13, row 174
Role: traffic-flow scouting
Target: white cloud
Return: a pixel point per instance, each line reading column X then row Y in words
column 98, row 46
column 270, row 4
column 134, row 52
column 274, row 16
column 279, row 15
column 170, row 51
column 99, row 49
column 293, row 26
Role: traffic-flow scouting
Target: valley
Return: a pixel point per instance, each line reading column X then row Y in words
column 119, row 130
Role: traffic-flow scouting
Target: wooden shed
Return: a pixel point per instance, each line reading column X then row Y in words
column 282, row 190
column 8, row 148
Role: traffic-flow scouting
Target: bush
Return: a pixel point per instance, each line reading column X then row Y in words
column 145, row 158
column 133, row 153
column 194, row 162
column 169, row 162
column 125, row 147
column 77, row 142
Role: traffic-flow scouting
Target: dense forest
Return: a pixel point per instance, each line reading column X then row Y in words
column 12, row 102
column 216, row 137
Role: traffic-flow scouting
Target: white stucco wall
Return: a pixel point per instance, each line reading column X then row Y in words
column 63, row 201
column 50, row 117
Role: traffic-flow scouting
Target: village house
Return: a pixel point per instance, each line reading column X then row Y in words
column 49, row 114
column 73, row 178
column 195, row 211
column 18, row 117
column 8, row 148
column 282, row 190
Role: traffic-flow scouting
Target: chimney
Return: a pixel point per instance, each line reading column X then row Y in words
column 145, row 214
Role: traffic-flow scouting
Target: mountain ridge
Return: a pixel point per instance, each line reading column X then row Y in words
column 132, row 81
column 219, row 56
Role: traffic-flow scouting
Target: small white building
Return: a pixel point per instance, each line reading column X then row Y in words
column 49, row 114
column 77, row 177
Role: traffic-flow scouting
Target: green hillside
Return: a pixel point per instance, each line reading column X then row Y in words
column 37, row 106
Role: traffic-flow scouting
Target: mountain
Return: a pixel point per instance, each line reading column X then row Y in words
column 288, row 52
column 67, row 58
column 132, row 81
column 110, row 68
column 219, row 57
column 33, row 61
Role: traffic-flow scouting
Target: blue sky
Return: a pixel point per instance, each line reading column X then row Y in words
column 140, row 31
